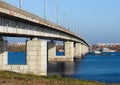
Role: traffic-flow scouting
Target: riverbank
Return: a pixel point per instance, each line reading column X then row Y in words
column 12, row 78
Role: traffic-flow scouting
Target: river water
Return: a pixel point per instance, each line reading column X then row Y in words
column 102, row 68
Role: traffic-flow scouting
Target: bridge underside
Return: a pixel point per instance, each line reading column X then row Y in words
column 18, row 28
column 36, row 56
column 19, row 23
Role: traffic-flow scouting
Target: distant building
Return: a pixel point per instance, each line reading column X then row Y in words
column 106, row 47
column 107, row 50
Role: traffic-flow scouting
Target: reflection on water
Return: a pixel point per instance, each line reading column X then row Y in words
column 102, row 68
column 61, row 68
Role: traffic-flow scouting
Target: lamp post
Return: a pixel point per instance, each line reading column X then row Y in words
column 20, row 2
column 45, row 9
column 57, row 10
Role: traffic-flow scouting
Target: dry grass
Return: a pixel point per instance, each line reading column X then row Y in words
column 11, row 78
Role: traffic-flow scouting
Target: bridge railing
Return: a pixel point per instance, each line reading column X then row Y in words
column 19, row 13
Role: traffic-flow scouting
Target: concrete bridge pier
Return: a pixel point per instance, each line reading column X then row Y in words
column 51, row 51
column 37, row 57
column 77, row 50
column 69, row 51
column 3, row 53
column 84, row 49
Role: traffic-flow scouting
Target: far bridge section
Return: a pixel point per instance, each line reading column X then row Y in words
column 16, row 22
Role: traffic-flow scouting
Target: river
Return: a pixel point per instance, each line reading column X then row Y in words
column 102, row 68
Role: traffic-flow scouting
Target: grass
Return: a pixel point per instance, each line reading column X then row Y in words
column 12, row 78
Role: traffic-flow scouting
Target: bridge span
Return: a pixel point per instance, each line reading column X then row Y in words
column 16, row 22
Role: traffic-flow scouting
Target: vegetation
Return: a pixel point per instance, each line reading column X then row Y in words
column 22, row 47
column 12, row 78
column 17, row 47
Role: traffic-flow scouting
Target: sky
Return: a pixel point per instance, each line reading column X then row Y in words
column 98, row 21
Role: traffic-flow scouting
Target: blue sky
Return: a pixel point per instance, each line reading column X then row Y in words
column 95, row 20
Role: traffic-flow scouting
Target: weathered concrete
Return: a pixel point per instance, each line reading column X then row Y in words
column 51, row 50
column 61, row 59
column 36, row 58
column 85, row 49
column 3, row 53
column 82, row 50
column 17, row 22
column 77, row 50
column 69, row 51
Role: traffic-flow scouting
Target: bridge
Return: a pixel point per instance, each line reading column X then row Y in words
column 16, row 22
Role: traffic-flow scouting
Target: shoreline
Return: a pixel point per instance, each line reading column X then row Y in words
column 12, row 78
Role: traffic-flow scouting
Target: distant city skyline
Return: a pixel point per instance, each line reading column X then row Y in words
column 95, row 20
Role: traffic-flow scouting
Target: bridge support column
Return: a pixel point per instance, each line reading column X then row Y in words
column 37, row 57
column 3, row 54
column 77, row 50
column 51, row 50
column 87, row 49
column 84, row 49
column 69, row 51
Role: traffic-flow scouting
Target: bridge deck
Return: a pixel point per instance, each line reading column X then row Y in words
column 10, row 11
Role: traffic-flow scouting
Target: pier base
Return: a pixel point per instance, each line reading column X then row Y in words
column 36, row 58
